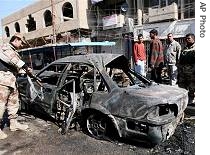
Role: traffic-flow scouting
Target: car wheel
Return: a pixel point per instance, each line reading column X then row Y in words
column 97, row 125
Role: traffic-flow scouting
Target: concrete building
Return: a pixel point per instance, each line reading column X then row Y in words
column 176, row 16
column 123, row 20
column 1, row 40
column 49, row 21
column 99, row 20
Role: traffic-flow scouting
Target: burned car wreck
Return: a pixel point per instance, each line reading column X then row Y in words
column 108, row 96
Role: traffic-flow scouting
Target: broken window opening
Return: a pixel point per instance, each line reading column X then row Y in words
column 119, row 77
column 48, row 18
column 163, row 3
column 31, row 23
column 7, row 31
column 52, row 74
column 17, row 27
column 67, row 11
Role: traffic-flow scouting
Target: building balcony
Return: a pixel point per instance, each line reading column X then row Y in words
column 113, row 21
column 169, row 12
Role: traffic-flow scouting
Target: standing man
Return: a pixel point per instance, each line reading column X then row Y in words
column 173, row 49
column 139, row 56
column 186, row 68
column 156, row 57
column 10, row 65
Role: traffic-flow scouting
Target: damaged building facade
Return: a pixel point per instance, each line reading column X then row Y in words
column 49, row 21
column 55, row 21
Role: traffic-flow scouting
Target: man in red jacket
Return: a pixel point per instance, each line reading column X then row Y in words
column 139, row 56
column 156, row 56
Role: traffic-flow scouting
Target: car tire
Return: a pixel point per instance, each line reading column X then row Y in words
column 99, row 126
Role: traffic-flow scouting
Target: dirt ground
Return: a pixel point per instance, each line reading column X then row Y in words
column 43, row 138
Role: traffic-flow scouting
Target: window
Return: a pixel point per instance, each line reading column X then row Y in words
column 119, row 77
column 48, row 18
column 162, row 3
column 31, row 23
column 67, row 11
column 172, row 1
column 37, row 61
column 91, row 79
column 189, row 8
column 159, row 3
column 52, row 74
column 154, row 3
column 48, row 54
column 17, row 27
column 7, row 31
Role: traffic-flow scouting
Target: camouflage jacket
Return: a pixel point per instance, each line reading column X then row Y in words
column 10, row 64
column 187, row 56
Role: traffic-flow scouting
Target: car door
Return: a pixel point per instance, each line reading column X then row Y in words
column 50, row 81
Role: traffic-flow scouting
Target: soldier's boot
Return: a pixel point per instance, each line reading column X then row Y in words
column 2, row 135
column 15, row 125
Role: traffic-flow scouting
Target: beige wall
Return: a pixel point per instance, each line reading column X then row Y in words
column 37, row 10
column 1, row 41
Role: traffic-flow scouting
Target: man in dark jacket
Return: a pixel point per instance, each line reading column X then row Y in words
column 156, row 57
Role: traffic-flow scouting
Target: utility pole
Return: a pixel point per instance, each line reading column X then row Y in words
column 53, row 21
column 53, row 27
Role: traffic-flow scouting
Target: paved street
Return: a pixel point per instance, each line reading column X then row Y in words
column 43, row 138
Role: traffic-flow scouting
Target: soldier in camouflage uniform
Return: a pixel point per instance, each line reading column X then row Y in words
column 186, row 68
column 10, row 65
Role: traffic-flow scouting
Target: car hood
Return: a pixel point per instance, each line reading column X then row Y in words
column 135, row 102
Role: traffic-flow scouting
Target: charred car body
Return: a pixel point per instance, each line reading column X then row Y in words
column 104, row 92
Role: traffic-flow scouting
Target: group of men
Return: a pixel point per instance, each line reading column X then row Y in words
column 180, row 62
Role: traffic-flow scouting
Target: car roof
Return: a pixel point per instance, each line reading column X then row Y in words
column 99, row 60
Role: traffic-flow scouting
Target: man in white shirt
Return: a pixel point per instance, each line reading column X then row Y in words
column 173, row 49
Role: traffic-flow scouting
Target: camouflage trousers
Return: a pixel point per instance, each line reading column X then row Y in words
column 186, row 79
column 8, row 100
